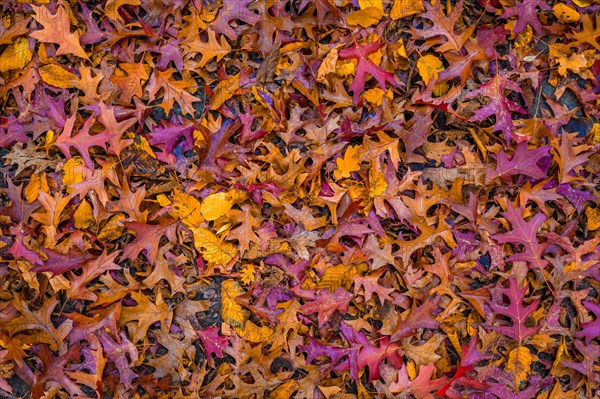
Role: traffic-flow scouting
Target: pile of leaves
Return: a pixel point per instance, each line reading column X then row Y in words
column 300, row 199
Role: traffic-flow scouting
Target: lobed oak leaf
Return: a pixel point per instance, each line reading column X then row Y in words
column 39, row 321
column 213, row 343
column 209, row 49
column 172, row 90
column 515, row 310
column 145, row 313
column 82, row 141
column 148, row 238
column 326, row 304
column 523, row 162
column 525, row 234
column 444, row 25
column 526, row 14
column 230, row 11
column 498, row 105
column 57, row 29
column 422, row 386
column 361, row 53
column 130, row 81
column 590, row 330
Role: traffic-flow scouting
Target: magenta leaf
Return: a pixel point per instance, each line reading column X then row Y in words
column 213, row 343
column 590, row 330
column 365, row 65
column 514, row 310
column 525, row 234
column 523, row 162
column 498, row 104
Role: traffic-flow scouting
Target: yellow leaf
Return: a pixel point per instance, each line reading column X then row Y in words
column 83, row 216
column 113, row 229
column 213, row 250
column 231, row 311
column 348, row 164
column 429, row 66
column 49, row 138
column 345, row 68
column 519, row 364
column 374, row 96
column 565, row 13
column 406, row 8
column 16, row 56
column 365, row 17
column 595, row 133
column 411, row 370
column 593, row 218
column 364, row 4
column 56, row 76
column 248, row 274
column 224, row 91
column 216, row 205
column 142, row 143
column 37, row 182
column 402, row 50
column 253, row 333
column 73, row 172
column 377, row 183
column 187, row 208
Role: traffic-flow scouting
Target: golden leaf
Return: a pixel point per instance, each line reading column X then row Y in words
column 113, row 229
column 213, row 250
column 248, row 273
column 364, row 18
column 37, row 182
column 216, row 205
column 411, row 370
column 593, row 218
column 406, row 8
column 576, row 63
column 595, row 133
column 224, row 91
column 253, row 333
column 83, row 216
column 377, row 183
column 565, row 13
column 49, row 138
column 232, row 312
column 16, row 56
column 73, row 172
column 348, row 164
column 429, row 66
column 519, row 364
column 187, row 208
column 374, row 96
column 56, row 76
